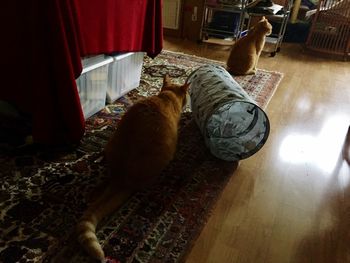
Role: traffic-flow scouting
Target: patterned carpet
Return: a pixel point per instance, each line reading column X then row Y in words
column 44, row 191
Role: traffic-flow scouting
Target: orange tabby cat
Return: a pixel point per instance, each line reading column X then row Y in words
column 246, row 51
column 142, row 146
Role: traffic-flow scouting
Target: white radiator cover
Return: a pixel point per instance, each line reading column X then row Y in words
column 171, row 13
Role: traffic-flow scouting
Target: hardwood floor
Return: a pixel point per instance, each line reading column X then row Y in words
column 290, row 202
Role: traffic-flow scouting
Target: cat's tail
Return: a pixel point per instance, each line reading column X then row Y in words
column 109, row 201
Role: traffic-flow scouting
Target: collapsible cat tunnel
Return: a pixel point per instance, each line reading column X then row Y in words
column 233, row 126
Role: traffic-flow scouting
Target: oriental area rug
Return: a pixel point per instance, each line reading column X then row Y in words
column 45, row 191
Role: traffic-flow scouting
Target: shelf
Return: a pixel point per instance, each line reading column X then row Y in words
column 225, row 6
column 220, row 28
column 233, row 9
column 272, row 40
column 265, row 11
column 223, row 20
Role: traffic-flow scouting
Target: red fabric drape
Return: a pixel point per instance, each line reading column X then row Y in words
column 123, row 25
column 43, row 42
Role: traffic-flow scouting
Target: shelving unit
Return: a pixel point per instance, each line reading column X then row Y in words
column 223, row 19
column 239, row 14
column 280, row 14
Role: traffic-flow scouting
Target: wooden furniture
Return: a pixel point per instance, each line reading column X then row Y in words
column 330, row 30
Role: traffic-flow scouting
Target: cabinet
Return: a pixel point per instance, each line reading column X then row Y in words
column 182, row 18
column 192, row 19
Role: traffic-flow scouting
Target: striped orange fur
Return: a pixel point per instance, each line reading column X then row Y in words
column 142, row 146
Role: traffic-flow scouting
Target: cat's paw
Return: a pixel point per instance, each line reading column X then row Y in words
column 251, row 72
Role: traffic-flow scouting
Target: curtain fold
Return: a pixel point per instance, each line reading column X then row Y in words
column 43, row 43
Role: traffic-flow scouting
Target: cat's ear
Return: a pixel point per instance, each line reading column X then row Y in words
column 166, row 81
column 263, row 18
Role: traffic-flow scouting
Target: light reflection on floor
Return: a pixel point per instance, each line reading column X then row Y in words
column 322, row 149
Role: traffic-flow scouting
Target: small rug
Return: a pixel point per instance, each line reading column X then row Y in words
column 45, row 191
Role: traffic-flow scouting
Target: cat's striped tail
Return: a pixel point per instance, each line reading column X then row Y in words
column 108, row 202
column 86, row 230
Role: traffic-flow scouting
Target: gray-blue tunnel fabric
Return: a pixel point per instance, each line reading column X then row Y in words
column 233, row 126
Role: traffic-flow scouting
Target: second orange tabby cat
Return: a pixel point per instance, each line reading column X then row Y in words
column 142, row 146
column 246, row 51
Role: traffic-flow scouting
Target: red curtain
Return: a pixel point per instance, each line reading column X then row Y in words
column 43, row 42
column 127, row 25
